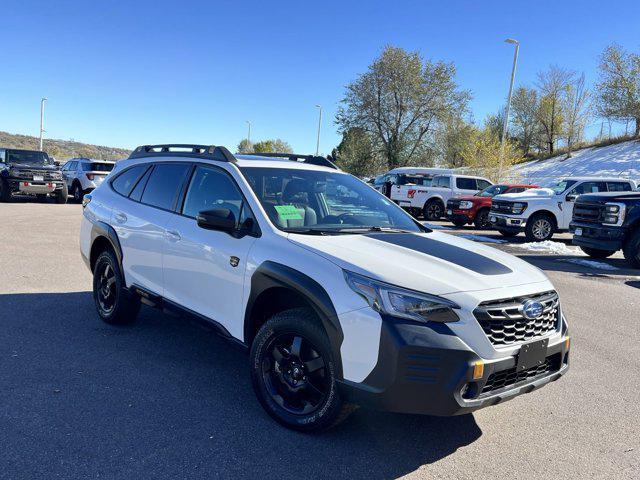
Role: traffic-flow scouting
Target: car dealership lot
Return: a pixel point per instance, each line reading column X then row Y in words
column 164, row 398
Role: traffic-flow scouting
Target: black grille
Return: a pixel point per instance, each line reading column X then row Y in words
column 504, row 323
column 500, row 206
column 453, row 204
column 29, row 174
column 588, row 212
column 511, row 377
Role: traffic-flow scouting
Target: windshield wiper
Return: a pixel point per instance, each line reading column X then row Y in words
column 374, row 229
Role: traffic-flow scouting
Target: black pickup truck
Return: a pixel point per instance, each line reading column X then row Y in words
column 30, row 172
column 604, row 223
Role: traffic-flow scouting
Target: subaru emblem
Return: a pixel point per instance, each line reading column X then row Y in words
column 531, row 309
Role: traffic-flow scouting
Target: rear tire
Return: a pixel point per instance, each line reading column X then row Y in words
column 433, row 210
column 293, row 372
column 540, row 227
column 631, row 249
column 113, row 301
column 597, row 253
column 482, row 220
column 459, row 223
column 77, row 193
column 508, row 233
column 5, row 192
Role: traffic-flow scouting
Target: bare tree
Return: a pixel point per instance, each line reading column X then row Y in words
column 618, row 89
column 577, row 111
column 552, row 85
column 524, row 105
column 399, row 101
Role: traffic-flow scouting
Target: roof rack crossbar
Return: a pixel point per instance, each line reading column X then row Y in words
column 295, row 157
column 210, row 152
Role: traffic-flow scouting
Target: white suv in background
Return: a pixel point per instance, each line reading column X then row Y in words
column 340, row 297
column 541, row 212
column 82, row 175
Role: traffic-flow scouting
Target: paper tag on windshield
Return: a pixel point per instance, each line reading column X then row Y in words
column 288, row 212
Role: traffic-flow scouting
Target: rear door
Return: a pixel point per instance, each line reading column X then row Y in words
column 465, row 186
column 142, row 216
column 204, row 269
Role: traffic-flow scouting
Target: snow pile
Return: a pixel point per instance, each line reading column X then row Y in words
column 549, row 246
column 590, row 263
column 620, row 160
column 480, row 238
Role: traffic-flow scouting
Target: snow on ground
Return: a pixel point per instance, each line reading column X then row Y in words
column 480, row 238
column 621, row 160
column 590, row 263
column 549, row 246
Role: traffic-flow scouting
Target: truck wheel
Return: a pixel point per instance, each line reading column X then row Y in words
column 540, row 227
column 459, row 223
column 293, row 372
column 114, row 303
column 77, row 193
column 631, row 249
column 508, row 233
column 62, row 195
column 433, row 210
column 597, row 253
column 5, row 192
column 482, row 219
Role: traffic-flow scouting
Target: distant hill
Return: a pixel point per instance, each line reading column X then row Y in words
column 62, row 150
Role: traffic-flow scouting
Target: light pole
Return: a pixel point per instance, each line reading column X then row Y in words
column 42, row 101
column 319, row 123
column 249, row 133
column 506, row 114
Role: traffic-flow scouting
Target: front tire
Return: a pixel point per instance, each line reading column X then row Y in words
column 433, row 210
column 5, row 191
column 540, row 228
column 293, row 372
column 597, row 253
column 62, row 195
column 631, row 250
column 459, row 223
column 114, row 303
column 508, row 233
column 482, row 220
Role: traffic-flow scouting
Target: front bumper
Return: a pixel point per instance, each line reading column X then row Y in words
column 426, row 369
column 460, row 215
column 507, row 222
column 598, row 236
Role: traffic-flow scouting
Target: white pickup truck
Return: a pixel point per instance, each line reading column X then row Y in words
column 543, row 211
column 430, row 200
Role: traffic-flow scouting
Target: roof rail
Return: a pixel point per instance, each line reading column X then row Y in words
column 210, row 152
column 295, row 157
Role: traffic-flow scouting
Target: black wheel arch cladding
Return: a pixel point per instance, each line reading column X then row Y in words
column 103, row 230
column 276, row 275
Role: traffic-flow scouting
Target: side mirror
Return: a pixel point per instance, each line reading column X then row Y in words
column 571, row 197
column 221, row 219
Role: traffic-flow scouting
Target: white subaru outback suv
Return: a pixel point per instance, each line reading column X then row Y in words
column 341, row 297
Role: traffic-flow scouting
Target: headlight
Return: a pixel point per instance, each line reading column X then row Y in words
column 465, row 205
column 614, row 214
column 396, row 301
column 518, row 207
column 56, row 175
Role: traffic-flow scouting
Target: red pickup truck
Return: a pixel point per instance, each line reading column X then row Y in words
column 475, row 208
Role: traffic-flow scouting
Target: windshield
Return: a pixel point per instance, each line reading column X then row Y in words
column 492, row 191
column 309, row 201
column 27, row 158
column 561, row 186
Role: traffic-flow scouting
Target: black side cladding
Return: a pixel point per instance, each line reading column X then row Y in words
column 450, row 253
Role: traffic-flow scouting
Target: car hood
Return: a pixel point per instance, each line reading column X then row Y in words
column 436, row 263
column 26, row 166
column 527, row 195
column 467, row 197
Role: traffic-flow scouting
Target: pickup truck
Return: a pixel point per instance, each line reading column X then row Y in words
column 604, row 223
column 430, row 201
column 541, row 212
column 30, row 172
column 475, row 208
column 409, row 176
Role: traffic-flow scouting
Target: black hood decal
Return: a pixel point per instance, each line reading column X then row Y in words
column 450, row 253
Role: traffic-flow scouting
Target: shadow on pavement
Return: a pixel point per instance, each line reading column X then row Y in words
column 164, row 398
column 564, row 263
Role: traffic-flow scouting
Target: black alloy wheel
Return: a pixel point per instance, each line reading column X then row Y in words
column 106, row 292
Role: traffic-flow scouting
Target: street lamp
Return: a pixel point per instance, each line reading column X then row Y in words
column 506, row 115
column 42, row 101
column 319, row 123
column 249, row 132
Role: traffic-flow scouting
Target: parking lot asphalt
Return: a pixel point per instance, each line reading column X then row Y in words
column 164, row 398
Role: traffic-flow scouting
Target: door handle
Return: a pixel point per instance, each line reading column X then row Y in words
column 121, row 217
column 174, row 235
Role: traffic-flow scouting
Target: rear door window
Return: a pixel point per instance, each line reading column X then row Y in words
column 124, row 182
column 619, row 186
column 590, row 187
column 164, row 184
column 466, row 183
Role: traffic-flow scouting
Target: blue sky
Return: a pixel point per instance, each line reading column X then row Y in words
column 124, row 73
